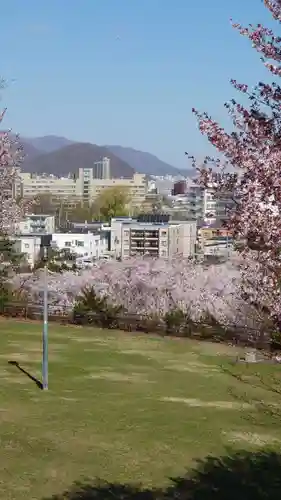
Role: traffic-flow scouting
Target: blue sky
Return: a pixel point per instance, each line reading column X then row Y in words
column 125, row 72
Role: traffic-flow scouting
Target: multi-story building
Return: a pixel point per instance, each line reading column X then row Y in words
column 101, row 169
column 84, row 187
column 189, row 199
column 215, row 240
column 36, row 224
column 216, row 207
column 33, row 185
column 89, row 188
column 200, row 203
column 152, row 235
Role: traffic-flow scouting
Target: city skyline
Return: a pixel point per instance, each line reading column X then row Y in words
column 125, row 73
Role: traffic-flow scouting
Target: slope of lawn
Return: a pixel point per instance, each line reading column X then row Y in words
column 124, row 408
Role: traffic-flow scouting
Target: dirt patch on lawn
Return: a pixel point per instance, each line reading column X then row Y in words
column 89, row 340
column 161, row 357
column 16, row 379
column 198, row 403
column 252, row 438
column 14, row 344
column 215, row 349
column 74, row 400
column 119, row 377
column 24, row 357
column 13, row 414
column 194, row 367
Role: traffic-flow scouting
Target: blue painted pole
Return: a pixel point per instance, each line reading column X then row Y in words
column 45, row 368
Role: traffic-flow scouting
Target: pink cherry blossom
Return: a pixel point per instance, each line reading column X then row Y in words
column 11, row 155
column 253, row 150
column 152, row 287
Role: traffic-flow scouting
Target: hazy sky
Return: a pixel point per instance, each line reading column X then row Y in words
column 124, row 72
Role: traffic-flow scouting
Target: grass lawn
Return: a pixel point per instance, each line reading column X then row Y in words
column 120, row 407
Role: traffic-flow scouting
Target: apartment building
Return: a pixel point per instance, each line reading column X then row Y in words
column 199, row 203
column 152, row 235
column 215, row 240
column 36, row 224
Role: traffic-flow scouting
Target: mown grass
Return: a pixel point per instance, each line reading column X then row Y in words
column 124, row 408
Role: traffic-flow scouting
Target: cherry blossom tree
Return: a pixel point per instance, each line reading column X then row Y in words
column 11, row 156
column 253, row 149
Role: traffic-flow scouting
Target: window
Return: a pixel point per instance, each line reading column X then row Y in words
column 67, row 244
column 79, row 243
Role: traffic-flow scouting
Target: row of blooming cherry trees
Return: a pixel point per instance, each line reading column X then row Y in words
column 254, row 150
column 153, row 287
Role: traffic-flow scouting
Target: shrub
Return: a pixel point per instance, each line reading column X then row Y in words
column 178, row 322
column 91, row 308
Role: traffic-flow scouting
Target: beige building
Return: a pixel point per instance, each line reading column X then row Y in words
column 32, row 185
column 132, row 238
column 84, row 187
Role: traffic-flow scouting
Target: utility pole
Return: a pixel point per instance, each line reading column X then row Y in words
column 45, row 368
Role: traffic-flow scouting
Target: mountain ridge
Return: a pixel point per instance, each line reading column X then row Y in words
column 37, row 148
column 70, row 158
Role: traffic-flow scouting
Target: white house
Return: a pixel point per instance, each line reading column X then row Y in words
column 89, row 245
column 28, row 245
column 36, row 224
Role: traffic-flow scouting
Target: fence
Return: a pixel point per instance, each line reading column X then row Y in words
column 136, row 323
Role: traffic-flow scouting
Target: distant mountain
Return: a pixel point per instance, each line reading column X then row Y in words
column 146, row 163
column 68, row 159
column 140, row 161
column 49, row 143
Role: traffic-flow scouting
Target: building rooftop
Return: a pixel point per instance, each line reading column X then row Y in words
column 147, row 225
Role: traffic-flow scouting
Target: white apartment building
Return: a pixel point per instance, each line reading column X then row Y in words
column 209, row 206
column 215, row 207
column 86, row 245
column 36, row 224
column 131, row 238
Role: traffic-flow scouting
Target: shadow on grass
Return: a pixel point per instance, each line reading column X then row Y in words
column 240, row 476
column 27, row 374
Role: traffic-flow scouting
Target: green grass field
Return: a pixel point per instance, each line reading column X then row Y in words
column 120, row 407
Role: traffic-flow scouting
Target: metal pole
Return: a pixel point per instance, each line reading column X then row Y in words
column 45, row 327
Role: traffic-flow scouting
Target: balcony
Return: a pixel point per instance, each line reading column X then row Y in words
column 151, row 235
column 137, row 244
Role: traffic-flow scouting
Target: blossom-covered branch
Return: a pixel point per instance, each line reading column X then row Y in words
column 253, row 149
column 11, row 155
